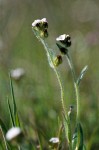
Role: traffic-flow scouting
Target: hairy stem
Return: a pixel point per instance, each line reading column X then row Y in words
column 57, row 74
column 49, row 53
column 75, row 86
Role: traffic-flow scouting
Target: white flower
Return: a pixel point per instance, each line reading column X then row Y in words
column 13, row 133
column 61, row 37
column 63, row 42
column 54, row 140
column 17, row 73
column 38, row 21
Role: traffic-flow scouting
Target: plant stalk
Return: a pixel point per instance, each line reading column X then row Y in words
column 75, row 87
column 57, row 74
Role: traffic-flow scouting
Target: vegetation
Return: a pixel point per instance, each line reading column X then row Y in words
column 36, row 111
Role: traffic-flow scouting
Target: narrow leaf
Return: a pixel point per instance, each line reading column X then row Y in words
column 17, row 121
column 3, row 126
column 13, row 98
column 82, row 74
column 5, row 143
column 80, row 133
column 15, row 114
column 67, row 128
column 77, row 141
column 10, row 113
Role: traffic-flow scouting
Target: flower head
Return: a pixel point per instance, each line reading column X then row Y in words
column 17, row 73
column 40, row 27
column 54, row 140
column 63, row 42
column 14, row 135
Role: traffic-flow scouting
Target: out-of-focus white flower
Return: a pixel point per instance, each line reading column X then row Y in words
column 13, row 133
column 17, row 74
column 54, row 140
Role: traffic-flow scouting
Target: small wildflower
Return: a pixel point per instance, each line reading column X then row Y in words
column 17, row 74
column 40, row 27
column 14, row 135
column 54, row 142
column 63, row 42
column 57, row 60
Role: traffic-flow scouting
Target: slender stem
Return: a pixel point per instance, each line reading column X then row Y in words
column 71, row 67
column 78, row 102
column 19, row 148
column 50, row 57
column 62, row 92
column 57, row 74
column 4, row 138
column 75, row 86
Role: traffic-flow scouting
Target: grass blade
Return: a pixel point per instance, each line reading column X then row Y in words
column 10, row 113
column 15, row 114
column 3, row 126
column 5, row 143
column 13, row 98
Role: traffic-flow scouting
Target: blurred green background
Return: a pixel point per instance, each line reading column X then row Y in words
column 37, row 94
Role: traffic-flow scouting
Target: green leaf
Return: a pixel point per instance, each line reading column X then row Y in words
column 77, row 141
column 10, row 113
column 17, row 121
column 67, row 127
column 82, row 74
column 3, row 126
column 13, row 98
column 14, row 114
column 5, row 142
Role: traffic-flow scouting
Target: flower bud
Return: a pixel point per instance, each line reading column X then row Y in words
column 57, row 60
column 70, row 111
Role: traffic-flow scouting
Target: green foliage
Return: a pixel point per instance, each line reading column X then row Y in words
column 78, row 141
column 82, row 74
column 13, row 113
column 41, row 107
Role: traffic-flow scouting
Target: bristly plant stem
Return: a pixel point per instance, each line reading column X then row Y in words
column 39, row 31
column 75, row 86
column 62, row 92
column 57, row 74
